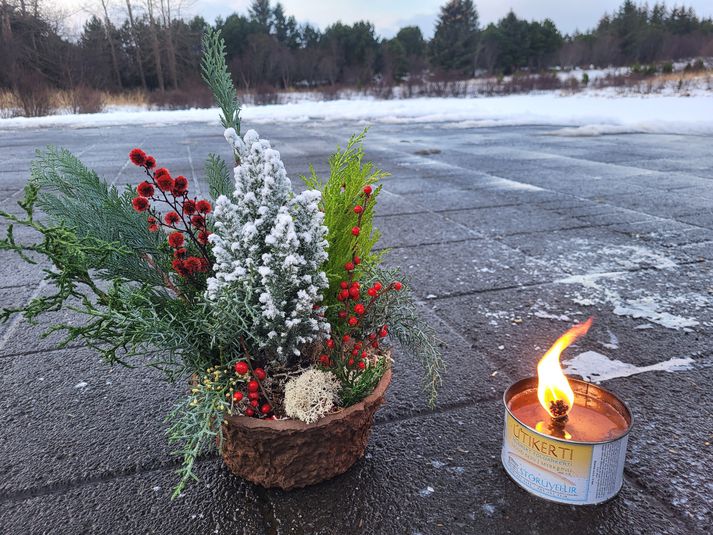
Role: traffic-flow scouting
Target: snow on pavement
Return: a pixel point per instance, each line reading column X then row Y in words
column 577, row 115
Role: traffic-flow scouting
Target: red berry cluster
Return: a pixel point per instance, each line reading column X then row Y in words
column 253, row 403
column 185, row 219
column 352, row 351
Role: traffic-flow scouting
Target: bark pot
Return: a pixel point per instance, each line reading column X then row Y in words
column 290, row 454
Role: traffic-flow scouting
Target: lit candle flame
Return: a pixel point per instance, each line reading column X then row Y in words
column 553, row 389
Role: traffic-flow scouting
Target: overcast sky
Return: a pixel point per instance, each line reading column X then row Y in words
column 389, row 15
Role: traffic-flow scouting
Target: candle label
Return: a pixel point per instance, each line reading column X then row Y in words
column 559, row 470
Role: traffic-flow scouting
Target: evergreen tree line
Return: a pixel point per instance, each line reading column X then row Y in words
column 154, row 49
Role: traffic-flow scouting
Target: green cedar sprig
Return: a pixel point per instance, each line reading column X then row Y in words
column 349, row 174
column 215, row 73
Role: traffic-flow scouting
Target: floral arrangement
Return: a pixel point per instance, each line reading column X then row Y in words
column 268, row 303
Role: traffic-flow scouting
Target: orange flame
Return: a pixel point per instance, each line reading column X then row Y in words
column 552, row 384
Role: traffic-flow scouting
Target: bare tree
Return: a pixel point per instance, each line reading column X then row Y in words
column 137, row 48
column 110, row 38
column 155, row 45
column 167, row 20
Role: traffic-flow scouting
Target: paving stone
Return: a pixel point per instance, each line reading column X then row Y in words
column 141, row 503
column 408, row 230
column 584, row 226
column 67, row 416
column 468, row 266
column 442, row 474
column 507, row 220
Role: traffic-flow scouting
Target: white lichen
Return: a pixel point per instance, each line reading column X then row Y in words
column 311, row 395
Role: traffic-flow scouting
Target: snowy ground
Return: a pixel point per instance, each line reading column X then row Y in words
column 575, row 115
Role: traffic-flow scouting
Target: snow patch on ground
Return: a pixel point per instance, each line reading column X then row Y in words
column 672, row 310
column 671, row 114
column 595, row 367
column 648, row 308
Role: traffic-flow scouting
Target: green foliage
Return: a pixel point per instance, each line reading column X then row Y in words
column 348, row 175
column 356, row 385
column 74, row 197
column 398, row 310
column 219, row 177
column 215, row 74
column 196, row 421
column 455, row 40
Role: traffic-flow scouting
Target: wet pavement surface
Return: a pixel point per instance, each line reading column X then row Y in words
column 509, row 235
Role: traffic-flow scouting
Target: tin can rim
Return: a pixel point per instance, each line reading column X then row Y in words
column 520, row 385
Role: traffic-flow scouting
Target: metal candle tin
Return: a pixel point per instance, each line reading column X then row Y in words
column 560, row 470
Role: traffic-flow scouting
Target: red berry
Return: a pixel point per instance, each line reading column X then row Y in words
column 324, row 359
column 358, row 345
column 346, row 338
column 342, row 314
column 137, row 156
column 355, row 352
column 145, row 189
column 398, row 286
column 362, row 365
column 203, row 237
column 355, row 284
column 253, row 395
column 357, row 260
column 375, row 344
column 330, row 343
column 355, row 231
column 189, row 207
column 249, row 412
column 164, row 182
column 176, row 239
column 377, row 286
column 354, row 293
column 171, row 218
column 349, row 266
column 344, row 294
column 372, row 336
column 358, row 209
column 140, row 204
column 241, row 368
column 353, row 321
column 254, row 403
column 367, row 190
column 359, row 309
column 372, row 292
column 260, row 373
column 363, row 354
column 344, row 285
column 238, row 396
column 383, row 332
column 180, row 185
column 193, row 264
column 350, row 362
column 253, row 386
column 265, row 408
column 204, row 207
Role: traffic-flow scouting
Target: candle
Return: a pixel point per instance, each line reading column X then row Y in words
column 589, row 420
column 565, row 439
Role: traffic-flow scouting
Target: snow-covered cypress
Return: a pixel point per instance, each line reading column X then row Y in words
column 269, row 245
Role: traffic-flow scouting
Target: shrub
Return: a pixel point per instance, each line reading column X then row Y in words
column 34, row 95
column 84, row 99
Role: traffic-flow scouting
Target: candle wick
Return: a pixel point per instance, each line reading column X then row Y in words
column 559, row 409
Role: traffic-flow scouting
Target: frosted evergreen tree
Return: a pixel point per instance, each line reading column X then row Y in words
column 269, row 245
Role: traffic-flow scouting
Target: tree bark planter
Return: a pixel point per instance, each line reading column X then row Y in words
column 290, row 454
